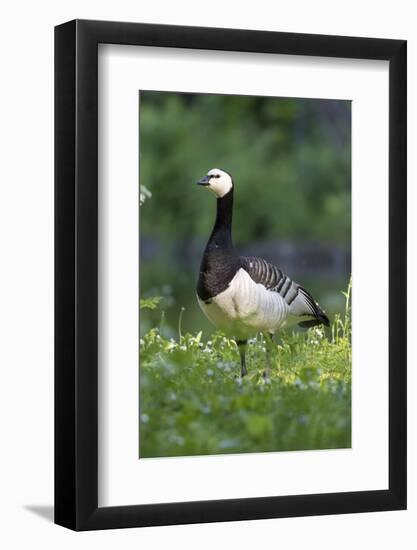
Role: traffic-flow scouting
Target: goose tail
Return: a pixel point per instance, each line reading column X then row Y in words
column 320, row 317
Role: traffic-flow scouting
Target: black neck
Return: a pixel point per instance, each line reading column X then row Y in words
column 220, row 262
column 221, row 236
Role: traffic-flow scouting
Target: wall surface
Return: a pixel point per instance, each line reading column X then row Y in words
column 26, row 287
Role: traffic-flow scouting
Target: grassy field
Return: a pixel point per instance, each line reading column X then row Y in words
column 192, row 401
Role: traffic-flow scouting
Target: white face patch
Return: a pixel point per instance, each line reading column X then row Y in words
column 220, row 182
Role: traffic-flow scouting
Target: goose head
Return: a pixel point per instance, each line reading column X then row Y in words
column 218, row 181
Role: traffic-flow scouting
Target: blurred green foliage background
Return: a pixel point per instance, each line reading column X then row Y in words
column 291, row 164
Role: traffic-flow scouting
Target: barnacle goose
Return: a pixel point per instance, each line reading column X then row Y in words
column 246, row 295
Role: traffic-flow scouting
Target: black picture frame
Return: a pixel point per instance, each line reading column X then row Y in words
column 76, row 272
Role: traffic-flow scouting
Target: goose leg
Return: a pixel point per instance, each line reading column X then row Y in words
column 241, row 344
column 268, row 344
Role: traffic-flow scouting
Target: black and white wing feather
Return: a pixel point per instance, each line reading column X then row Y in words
column 299, row 301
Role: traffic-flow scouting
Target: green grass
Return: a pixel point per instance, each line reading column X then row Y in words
column 192, row 401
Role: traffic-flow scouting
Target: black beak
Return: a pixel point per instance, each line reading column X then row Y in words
column 204, row 181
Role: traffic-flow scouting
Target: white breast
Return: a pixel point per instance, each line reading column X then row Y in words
column 246, row 307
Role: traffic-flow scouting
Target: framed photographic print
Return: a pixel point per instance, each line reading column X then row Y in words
column 230, row 245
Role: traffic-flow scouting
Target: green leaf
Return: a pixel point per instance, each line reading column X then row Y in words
column 150, row 303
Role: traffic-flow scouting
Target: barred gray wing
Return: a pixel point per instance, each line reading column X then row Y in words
column 299, row 300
